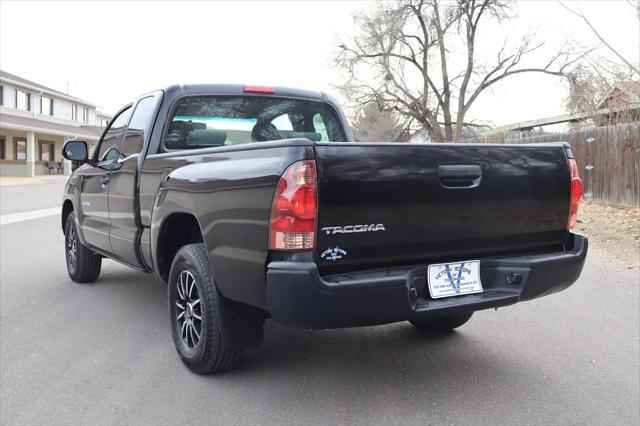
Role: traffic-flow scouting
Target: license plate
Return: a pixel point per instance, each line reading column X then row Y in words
column 454, row 279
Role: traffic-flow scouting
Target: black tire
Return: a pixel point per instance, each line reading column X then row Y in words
column 83, row 265
column 199, row 341
column 442, row 324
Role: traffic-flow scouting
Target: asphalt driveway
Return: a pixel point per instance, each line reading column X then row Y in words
column 102, row 354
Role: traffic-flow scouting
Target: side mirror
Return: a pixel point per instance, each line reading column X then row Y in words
column 75, row 151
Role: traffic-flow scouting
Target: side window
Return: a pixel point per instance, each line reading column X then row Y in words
column 318, row 123
column 139, row 126
column 114, row 135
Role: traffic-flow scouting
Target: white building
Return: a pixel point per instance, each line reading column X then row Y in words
column 35, row 121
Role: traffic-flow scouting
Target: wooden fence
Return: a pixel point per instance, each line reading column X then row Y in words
column 614, row 154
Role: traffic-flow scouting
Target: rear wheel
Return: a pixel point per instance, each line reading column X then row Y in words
column 442, row 324
column 194, row 307
column 83, row 265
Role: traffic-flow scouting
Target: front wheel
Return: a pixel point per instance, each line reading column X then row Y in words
column 194, row 305
column 442, row 324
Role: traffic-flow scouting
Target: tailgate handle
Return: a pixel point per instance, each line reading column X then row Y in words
column 460, row 176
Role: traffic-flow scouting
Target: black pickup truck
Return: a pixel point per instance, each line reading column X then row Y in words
column 255, row 202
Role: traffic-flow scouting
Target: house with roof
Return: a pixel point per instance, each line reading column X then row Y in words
column 621, row 104
column 36, row 121
column 617, row 101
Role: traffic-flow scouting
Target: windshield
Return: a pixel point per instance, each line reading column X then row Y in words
column 207, row 121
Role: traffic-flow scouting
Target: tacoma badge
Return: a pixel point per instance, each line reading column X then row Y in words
column 348, row 229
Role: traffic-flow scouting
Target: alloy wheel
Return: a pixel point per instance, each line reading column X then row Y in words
column 189, row 310
column 72, row 250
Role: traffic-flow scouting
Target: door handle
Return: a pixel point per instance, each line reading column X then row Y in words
column 460, row 176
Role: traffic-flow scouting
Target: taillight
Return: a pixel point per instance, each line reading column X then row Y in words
column 576, row 193
column 294, row 211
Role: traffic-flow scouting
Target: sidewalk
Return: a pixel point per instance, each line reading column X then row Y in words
column 36, row 180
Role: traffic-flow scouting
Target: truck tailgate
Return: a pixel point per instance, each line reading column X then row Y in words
column 385, row 204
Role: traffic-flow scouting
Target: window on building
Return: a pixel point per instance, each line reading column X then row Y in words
column 46, row 105
column 23, row 100
column 3, row 149
column 85, row 115
column 46, row 151
column 20, row 149
column 74, row 112
column 1, row 95
column 112, row 140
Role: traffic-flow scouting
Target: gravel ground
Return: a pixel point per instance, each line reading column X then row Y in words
column 613, row 231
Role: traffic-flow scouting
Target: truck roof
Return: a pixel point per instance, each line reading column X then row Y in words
column 239, row 89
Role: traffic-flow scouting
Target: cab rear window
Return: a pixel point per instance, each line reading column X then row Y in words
column 209, row 121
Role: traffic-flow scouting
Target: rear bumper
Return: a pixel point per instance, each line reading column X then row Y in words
column 298, row 296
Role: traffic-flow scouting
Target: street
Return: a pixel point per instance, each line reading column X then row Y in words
column 102, row 353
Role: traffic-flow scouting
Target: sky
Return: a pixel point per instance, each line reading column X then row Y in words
column 110, row 52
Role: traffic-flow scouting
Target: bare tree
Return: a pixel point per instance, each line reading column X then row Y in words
column 403, row 54
column 612, row 49
column 597, row 77
column 376, row 125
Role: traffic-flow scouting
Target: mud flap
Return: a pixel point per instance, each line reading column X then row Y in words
column 239, row 330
